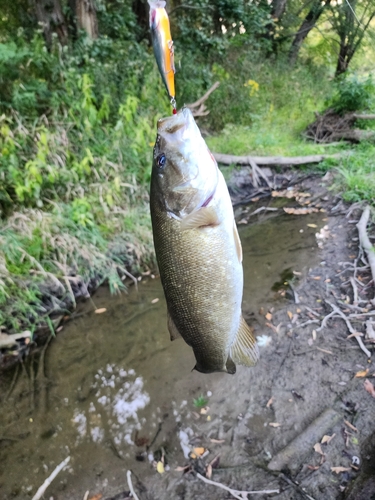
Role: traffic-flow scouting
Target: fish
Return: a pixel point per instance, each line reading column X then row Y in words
column 198, row 248
column 163, row 45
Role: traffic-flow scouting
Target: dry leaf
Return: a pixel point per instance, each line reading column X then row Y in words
column 96, row 497
column 316, row 278
column 182, row 469
column 324, row 350
column 268, row 316
column 160, row 467
column 274, row 424
column 270, row 401
column 208, row 471
column 199, row 451
column 300, row 211
column 369, row 388
column 351, row 426
column 193, row 455
column 327, row 439
column 290, row 314
column 313, row 467
column 312, row 225
column 361, row 373
column 153, row 301
column 318, row 448
column 340, row 469
column 100, row 311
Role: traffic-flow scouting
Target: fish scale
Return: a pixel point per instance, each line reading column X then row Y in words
column 198, row 248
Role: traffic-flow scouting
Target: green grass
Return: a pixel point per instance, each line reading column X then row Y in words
column 200, row 401
column 74, row 186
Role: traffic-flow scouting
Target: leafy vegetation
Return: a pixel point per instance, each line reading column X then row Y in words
column 78, row 113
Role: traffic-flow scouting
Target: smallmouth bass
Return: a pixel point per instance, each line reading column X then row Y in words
column 198, row 248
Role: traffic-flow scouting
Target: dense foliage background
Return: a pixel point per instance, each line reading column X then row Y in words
column 79, row 100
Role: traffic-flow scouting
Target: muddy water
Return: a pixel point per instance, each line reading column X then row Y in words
column 113, row 393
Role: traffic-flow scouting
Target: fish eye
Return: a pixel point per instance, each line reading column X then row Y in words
column 160, row 160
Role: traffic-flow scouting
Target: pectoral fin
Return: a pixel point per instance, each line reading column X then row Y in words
column 244, row 351
column 205, row 216
column 237, row 242
column 173, row 332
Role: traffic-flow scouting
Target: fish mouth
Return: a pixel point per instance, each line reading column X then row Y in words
column 171, row 124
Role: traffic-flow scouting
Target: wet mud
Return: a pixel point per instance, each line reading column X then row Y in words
column 113, row 393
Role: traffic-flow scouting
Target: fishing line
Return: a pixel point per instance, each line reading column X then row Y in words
column 354, row 14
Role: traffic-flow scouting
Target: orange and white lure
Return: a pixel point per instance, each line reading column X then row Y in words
column 163, row 45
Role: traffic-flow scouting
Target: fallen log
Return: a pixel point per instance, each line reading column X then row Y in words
column 272, row 160
column 358, row 116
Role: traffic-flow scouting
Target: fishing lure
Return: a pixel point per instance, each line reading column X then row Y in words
column 163, row 46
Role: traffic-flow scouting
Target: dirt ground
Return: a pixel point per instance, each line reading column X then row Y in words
column 299, row 424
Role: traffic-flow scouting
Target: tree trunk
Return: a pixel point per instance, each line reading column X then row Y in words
column 49, row 15
column 343, row 59
column 307, row 25
column 86, row 17
column 278, row 9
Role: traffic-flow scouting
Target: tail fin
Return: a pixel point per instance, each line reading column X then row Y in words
column 244, row 350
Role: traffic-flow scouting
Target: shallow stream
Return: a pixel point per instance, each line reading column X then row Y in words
column 112, row 392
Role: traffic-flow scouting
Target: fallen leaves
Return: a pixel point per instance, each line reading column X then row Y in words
column 101, row 310
column 340, row 469
column 361, row 373
column 318, row 449
column 300, row 211
column 369, row 387
column 351, row 426
column 160, row 467
column 327, row 439
column 270, row 402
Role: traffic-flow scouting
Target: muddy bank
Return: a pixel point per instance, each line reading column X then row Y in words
column 115, row 394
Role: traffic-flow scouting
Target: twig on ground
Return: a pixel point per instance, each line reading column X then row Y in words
column 49, row 479
column 338, row 311
column 364, row 240
column 129, row 275
column 130, row 484
column 296, row 486
column 324, row 322
column 265, row 209
column 312, row 311
column 236, row 493
column 355, row 291
column 309, row 322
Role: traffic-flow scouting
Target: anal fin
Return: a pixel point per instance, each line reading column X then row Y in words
column 244, row 350
column 173, row 332
column 205, row 216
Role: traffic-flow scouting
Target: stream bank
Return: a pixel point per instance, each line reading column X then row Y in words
column 115, row 394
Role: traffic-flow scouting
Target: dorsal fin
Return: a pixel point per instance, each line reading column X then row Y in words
column 244, row 350
column 237, row 241
column 205, row 216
